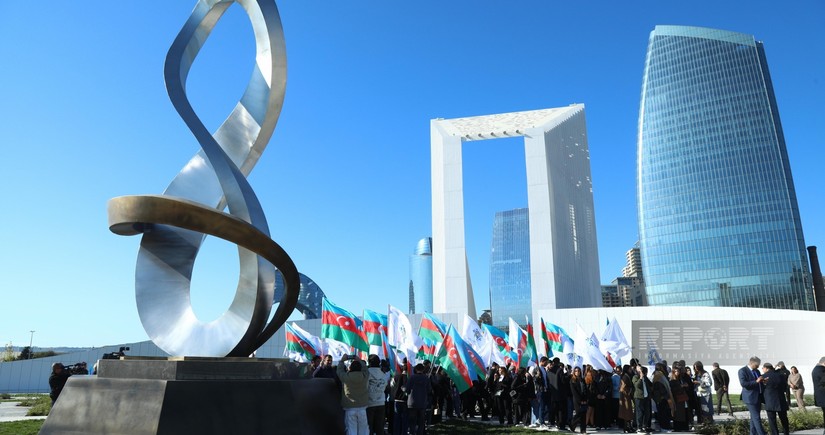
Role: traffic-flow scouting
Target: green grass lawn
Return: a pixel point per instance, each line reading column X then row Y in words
column 23, row 427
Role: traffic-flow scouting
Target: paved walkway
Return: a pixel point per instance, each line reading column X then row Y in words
column 9, row 411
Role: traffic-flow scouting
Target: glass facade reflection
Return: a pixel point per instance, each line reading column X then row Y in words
column 510, row 267
column 421, row 277
column 310, row 296
column 718, row 216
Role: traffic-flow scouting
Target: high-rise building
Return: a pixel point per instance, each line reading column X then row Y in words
column 421, row 277
column 564, row 255
column 718, row 218
column 510, row 267
column 627, row 290
column 633, row 268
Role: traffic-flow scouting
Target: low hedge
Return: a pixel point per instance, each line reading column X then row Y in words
column 798, row 420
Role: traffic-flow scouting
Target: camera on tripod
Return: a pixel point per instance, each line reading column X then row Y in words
column 116, row 355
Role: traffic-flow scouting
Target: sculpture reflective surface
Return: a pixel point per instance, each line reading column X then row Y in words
column 175, row 224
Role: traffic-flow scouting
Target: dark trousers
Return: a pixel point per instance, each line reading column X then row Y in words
column 400, row 418
column 417, row 421
column 505, row 408
column 783, row 418
column 546, row 407
column 580, row 419
column 643, row 414
column 560, row 414
column 756, row 419
column 720, row 394
column 524, row 408
column 663, row 414
column 375, row 419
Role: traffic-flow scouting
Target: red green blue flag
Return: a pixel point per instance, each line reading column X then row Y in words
column 499, row 337
column 476, row 362
column 556, row 337
column 531, row 352
column 432, row 328
column 456, row 361
column 545, row 338
column 339, row 324
column 374, row 324
column 427, row 350
column 297, row 346
column 389, row 354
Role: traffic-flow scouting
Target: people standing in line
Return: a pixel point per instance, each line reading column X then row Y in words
column 354, row 395
column 818, row 380
column 579, row 391
column 625, row 414
column 721, row 382
column 704, row 383
column 378, row 380
column 774, row 394
column 662, row 396
column 752, row 393
column 398, row 388
column 57, row 380
column 797, row 387
column 680, row 401
column 419, row 388
column 643, row 389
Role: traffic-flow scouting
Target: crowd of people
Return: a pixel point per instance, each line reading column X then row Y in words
column 551, row 395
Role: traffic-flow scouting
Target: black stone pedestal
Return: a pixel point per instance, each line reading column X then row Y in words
column 197, row 396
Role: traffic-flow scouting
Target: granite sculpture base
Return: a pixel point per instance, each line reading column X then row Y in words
column 198, row 396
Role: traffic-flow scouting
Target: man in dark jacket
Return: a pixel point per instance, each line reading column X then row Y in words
column 780, row 368
column 818, row 378
column 721, row 381
column 57, row 381
column 419, row 388
column 752, row 392
column 774, row 394
column 642, row 393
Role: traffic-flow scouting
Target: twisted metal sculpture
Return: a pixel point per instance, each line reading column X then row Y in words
column 175, row 224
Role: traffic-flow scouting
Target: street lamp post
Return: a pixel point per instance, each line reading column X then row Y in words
column 31, row 340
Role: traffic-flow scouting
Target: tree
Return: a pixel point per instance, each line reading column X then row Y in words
column 26, row 353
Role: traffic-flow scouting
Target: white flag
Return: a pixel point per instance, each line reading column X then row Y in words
column 400, row 332
column 335, row 348
column 478, row 338
column 614, row 341
column 587, row 347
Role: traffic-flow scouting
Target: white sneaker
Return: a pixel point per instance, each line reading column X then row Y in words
column 533, row 425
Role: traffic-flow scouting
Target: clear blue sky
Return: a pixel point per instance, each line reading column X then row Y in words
column 345, row 181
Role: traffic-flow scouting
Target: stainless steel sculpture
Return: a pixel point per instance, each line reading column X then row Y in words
column 175, row 224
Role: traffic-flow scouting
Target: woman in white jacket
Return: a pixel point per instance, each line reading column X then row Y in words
column 704, row 385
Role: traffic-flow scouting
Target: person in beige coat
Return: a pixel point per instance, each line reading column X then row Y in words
column 354, row 395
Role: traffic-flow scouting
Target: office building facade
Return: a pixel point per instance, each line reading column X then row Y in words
column 718, row 218
column 510, row 267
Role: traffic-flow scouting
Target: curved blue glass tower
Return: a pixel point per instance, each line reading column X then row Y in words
column 718, row 218
column 421, row 277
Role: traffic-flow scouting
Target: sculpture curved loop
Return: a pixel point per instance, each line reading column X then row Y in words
column 175, row 224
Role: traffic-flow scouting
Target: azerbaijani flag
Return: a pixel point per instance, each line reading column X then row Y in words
column 431, row 328
column 298, row 346
column 339, row 324
column 428, row 349
column 556, row 336
column 545, row 338
column 518, row 343
column 477, row 362
column 374, row 324
column 531, row 353
column 455, row 360
column 389, row 353
column 498, row 336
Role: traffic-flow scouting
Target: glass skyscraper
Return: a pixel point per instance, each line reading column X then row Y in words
column 421, row 277
column 718, row 218
column 510, row 267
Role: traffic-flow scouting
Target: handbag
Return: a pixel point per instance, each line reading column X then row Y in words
column 681, row 396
